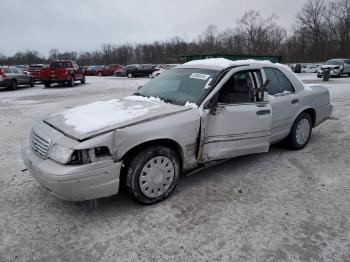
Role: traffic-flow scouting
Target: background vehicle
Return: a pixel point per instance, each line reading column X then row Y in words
column 162, row 68
column 185, row 118
column 337, row 67
column 109, row 70
column 91, row 70
column 139, row 70
column 311, row 69
column 34, row 70
column 12, row 77
column 62, row 72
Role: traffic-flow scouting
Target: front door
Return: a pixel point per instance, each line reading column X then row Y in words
column 240, row 124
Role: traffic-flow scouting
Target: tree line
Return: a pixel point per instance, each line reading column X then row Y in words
column 321, row 31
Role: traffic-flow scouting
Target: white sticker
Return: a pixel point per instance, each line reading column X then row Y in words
column 199, row 76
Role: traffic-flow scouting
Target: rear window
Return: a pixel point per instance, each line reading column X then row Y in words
column 60, row 64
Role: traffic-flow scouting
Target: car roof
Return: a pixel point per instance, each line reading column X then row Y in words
column 222, row 63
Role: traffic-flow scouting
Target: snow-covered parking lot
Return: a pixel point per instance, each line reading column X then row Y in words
column 280, row 206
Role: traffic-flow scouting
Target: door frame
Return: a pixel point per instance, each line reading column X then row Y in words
column 206, row 107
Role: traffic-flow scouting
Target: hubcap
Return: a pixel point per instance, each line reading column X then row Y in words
column 156, row 176
column 303, row 131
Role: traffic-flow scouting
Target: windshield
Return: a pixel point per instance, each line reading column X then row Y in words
column 334, row 62
column 179, row 86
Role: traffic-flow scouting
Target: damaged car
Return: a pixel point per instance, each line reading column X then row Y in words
column 187, row 118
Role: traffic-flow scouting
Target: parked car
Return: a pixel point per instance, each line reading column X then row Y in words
column 139, row 70
column 90, row 70
column 161, row 68
column 184, row 119
column 34, row 70
column 337, row 67
column 311, row 69
column 109, row 70
column 62, row 72
column 11, row 77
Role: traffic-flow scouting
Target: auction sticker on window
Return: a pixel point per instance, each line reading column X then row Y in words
column 199, row 76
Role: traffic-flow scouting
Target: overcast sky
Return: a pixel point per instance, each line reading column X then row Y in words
column 74, row 25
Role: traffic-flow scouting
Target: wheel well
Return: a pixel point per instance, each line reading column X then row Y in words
column 312, row 114
column 159, row 142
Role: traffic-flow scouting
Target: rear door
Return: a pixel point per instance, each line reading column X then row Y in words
column 239, row 124
column 284, row 102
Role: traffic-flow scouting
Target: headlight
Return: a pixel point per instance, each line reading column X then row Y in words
column 61, row 154
column 86, row 156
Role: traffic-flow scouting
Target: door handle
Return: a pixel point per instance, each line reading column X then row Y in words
column 263, row 112
column 295, row 101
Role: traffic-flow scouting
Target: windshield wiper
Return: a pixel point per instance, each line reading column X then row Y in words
column 167, row 100
column 139, row 94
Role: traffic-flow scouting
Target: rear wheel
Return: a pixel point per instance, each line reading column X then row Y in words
column 130, row 75
column 14, row 84
column 47, row 84
column 301, row 132
column 153, row 174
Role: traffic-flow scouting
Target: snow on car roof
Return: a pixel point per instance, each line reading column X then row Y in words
column 224, row 63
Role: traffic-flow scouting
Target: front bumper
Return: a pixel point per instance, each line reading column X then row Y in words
column 75, row 182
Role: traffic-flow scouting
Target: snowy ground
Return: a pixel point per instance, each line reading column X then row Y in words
column 279, row 206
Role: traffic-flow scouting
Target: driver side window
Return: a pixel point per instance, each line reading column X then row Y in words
column 239, row 89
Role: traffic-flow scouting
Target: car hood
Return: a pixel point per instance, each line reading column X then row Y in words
column 87, row 121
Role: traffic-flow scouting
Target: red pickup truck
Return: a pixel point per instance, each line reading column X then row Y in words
column 62, row 72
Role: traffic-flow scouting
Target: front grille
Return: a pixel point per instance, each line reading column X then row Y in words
column 40, row 145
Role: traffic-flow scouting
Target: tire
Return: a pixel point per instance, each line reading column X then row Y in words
column 300, row 133
column 31, row 82
column 130, row 75
column 319, row 76
column 47, row 84
column 83, row 80
column 99, row 74
column 349, row 74
column 162, row 179
column 13, row 85
column 340, row 74
column 71, row 81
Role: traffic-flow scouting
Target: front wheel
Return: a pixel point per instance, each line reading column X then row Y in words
column 301, row 132
column 71, row 81
column 14, row 84
column 47, row 84
column 153, row 174
column 83, row 80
